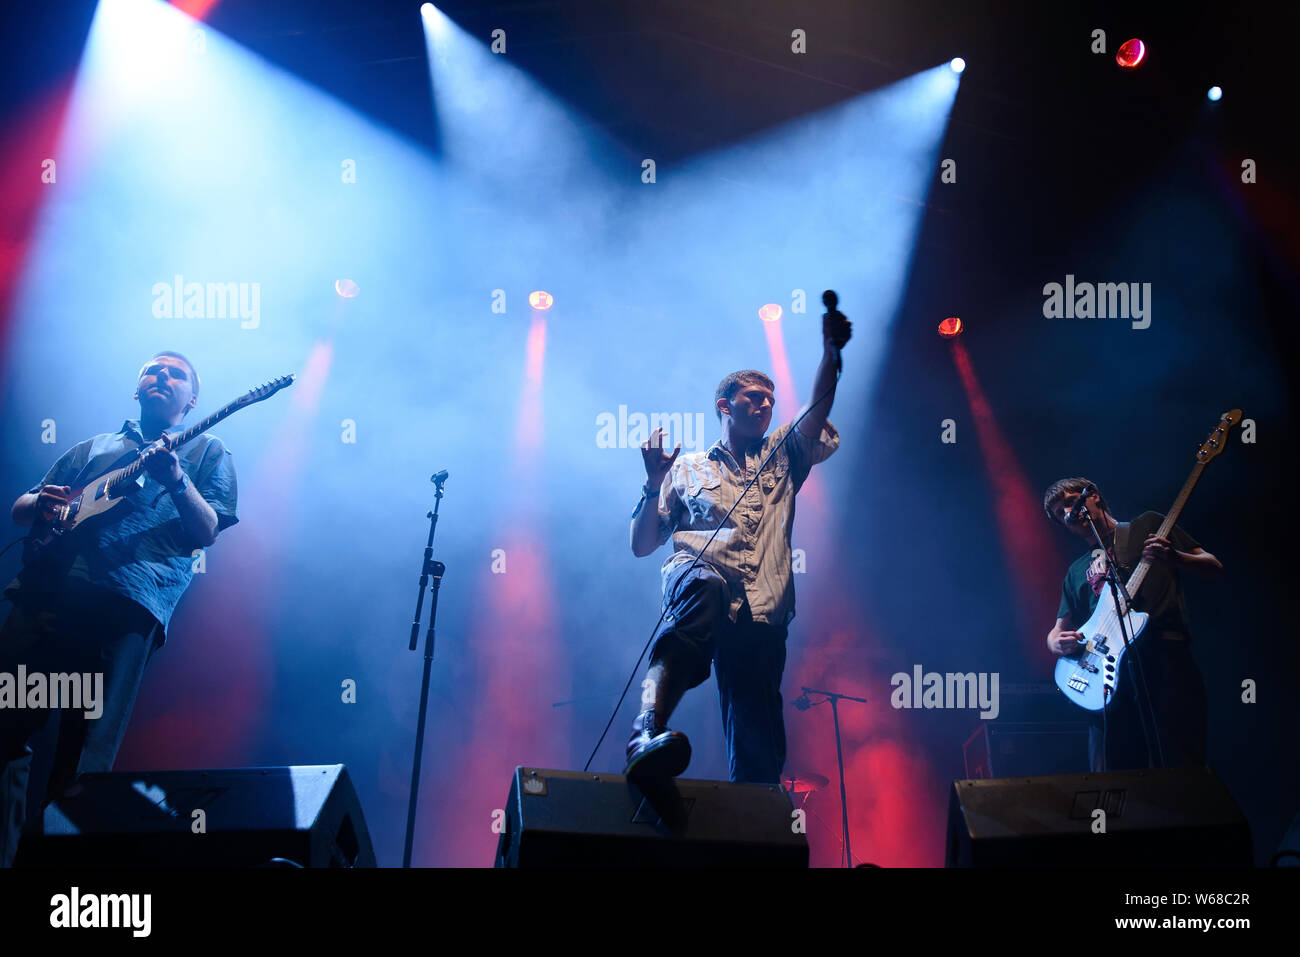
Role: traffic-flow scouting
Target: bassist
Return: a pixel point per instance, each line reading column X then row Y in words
column 101, row 601
column 1177, row 691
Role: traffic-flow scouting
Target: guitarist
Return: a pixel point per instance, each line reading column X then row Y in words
column 99, row 601
column 1177, row 691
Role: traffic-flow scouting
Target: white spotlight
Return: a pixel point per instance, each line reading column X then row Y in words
column 426, row 9
column 957, row 64
column 1215, row 94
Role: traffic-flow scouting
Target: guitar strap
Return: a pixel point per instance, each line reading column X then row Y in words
column 1121, row 541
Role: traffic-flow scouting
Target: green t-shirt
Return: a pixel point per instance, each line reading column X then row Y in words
column 1162, row 592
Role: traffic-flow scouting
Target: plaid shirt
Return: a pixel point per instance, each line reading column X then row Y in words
column 752, row 553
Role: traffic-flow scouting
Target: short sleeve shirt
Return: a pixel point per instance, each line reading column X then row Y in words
column 1161, row 595
column 140, row 549
column 752, row 552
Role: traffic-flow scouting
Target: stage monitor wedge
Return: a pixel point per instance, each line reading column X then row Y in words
column 1179, row 817
column 572, row 819
column 302, row 816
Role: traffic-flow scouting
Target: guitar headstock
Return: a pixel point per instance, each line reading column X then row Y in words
column 265, row 390
column 1217, row 439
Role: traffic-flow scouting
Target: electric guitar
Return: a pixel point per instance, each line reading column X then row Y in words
column 1089, row 677
column 112, row 488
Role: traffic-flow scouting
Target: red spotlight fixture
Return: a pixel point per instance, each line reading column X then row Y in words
column 770, row 313
column 1131, row 54
column 950, row 328
column 347, row 288
column 541, row 301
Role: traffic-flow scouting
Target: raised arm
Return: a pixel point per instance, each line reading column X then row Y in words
column 836, row 330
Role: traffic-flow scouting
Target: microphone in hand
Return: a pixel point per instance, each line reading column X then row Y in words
column 836, row 328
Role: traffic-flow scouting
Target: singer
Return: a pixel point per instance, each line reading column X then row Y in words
column 1172, row 677
column 733, row 607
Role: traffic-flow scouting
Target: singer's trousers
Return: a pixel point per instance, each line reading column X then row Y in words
column 749, row 657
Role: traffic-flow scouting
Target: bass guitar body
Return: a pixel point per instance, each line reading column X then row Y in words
column 1089, row 677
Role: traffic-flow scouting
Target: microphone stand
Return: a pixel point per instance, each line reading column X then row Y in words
column 1118, row 588
column 434, row 570
column 834, row 699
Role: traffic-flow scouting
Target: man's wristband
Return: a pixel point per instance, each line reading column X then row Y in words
column 180, row 486
column 651, row 490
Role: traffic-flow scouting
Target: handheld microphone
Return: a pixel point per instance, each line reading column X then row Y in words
column 830, row 301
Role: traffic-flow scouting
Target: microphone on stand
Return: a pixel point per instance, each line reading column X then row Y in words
column 439, row 477
column 1079, row 506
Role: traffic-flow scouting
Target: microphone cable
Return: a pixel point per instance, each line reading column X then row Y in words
column 723, row 524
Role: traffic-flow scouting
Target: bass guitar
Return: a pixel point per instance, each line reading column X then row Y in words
column 1090, row 676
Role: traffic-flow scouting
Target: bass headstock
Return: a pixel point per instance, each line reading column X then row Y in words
column 1217, row 439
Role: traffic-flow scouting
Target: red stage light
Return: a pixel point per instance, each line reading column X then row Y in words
column 770, row 313
column 1131, row 54
column 541, row 301
column 950, row 328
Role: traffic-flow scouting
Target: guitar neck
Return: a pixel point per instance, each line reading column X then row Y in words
column 1171, row 519
column 130, row 472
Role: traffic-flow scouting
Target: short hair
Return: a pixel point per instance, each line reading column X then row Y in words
column 729, row 386
column 1057, row 491
column 175, row 355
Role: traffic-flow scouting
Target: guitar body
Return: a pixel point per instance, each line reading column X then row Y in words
column 92, row 500
column 1089, row 678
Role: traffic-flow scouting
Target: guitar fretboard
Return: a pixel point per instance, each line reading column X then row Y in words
column 1171, row 519
column 131, row 472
